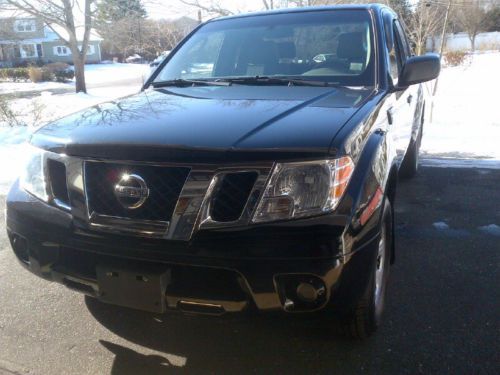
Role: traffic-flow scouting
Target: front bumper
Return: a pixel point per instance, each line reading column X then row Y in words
column 216, row 271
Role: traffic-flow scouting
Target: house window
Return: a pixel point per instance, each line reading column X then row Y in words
column 62, row 51
column 90, row 49
column 28, row 50
column 24, row 26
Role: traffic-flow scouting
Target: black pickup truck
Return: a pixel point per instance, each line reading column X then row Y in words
column 256, row 170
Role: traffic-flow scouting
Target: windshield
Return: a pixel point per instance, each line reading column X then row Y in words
column 329, row 46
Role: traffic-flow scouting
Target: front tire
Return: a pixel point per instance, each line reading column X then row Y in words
column 364, row 319
column 409, row 166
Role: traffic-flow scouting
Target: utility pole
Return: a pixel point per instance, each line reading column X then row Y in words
column 443, row 41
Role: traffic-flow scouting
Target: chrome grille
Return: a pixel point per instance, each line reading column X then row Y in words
column 164, row 184
column 58, row 186
column 232, row 195
column 182, row 197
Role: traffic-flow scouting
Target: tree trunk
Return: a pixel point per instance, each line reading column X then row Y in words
column 419, row 47
column 79, row 64
column 473, row 42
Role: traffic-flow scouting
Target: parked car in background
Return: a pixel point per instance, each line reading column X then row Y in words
column 247, row 175
column 134, row 59
column 154, row 64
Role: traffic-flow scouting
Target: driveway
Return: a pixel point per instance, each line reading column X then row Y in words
column 116, row 84
column 442, row 315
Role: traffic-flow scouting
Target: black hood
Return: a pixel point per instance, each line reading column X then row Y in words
column 184, row 124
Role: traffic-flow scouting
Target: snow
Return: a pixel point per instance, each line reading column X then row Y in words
column 492, row 229
column 440, row 225
column 105, row 73
column 11, row 87
column 466, row 113
column 96, row 75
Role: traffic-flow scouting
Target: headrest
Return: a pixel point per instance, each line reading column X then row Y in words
column 287, row 50
column 261, row 52
column 351, row 46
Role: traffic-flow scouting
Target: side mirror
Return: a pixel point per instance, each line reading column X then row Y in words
column 419, row 69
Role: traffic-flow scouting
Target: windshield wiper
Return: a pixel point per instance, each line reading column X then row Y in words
column 265, row 80
column 179, row 82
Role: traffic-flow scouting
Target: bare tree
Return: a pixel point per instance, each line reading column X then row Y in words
column 62, row 14
column 220, row 8
column 146, row 37
column 425, row 21
column 211, row 7
column 471, row 16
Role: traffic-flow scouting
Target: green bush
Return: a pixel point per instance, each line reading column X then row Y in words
column 62, row 72
column 59, row 72
column 64, row 75
column 14, row 74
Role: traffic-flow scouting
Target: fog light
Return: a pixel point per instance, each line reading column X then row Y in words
column 20, row 246
column 301, row 292
column 309, row 293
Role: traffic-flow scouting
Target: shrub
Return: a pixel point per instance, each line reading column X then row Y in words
column 489, row 46
column 12, row 117
column 35, row 74
column 61, row 71
column 56, row 66
column 64, row 75
column 14, row 74
column 39, row 74
column 455, row 58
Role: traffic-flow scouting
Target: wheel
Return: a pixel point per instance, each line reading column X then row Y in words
column 409, row 166
column 364, row 319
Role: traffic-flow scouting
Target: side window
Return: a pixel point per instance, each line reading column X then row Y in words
column 198, row 60
column 402, row 41
column 405, row 32
column 391, row 47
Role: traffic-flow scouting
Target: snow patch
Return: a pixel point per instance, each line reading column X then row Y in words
column 95, row 74
column 13, row 87
column 465, row 119
column 492, row 229
column 441, row 225
column 105, row 73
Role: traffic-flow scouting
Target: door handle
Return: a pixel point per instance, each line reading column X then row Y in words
column 390, row 118
column 410, row 97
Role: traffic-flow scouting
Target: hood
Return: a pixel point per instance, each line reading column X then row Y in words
column 193, row 122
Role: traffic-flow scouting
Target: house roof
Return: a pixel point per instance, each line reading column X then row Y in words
column 50, row 35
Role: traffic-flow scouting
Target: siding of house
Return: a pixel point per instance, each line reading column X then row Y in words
column 50, row 56
column 7, row 31
column 16, row 47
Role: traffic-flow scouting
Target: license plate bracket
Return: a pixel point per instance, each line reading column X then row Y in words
column 136, row 288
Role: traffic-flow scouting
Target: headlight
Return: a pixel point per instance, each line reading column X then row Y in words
column 304, row 189
column 33, row 176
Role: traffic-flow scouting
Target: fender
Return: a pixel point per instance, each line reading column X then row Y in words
column 369, row 185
